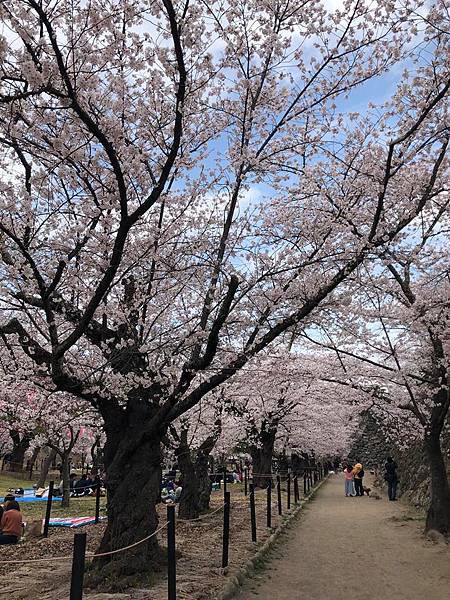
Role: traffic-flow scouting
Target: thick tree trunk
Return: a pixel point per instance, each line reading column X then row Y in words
column 189, row 506
column 438, row 516
column 197, row 485
column 133, row 479
column 204, row 481
column 20, row 446
column 45, row 468
column 262, row 458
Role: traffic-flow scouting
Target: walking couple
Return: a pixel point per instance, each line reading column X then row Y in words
column 354, row 480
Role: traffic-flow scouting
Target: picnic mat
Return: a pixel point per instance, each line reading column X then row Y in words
column 73, row 522
column 32, row 499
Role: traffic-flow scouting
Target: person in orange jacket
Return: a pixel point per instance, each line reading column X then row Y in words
column 11, row 523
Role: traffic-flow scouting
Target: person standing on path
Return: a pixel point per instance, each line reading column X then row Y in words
column 349, row 485
column 391, row 478
column 358, row 473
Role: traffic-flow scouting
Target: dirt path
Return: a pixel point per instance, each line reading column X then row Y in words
column 354, row 548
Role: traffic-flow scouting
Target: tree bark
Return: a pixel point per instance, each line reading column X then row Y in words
column 32, row 461
column 262, row 455
column 20, row 446
column 133, row 479
column 96, row 455
column 204, row 481
column 197, row 485
column 438, row 516
column 46, row 467
column 188, row 507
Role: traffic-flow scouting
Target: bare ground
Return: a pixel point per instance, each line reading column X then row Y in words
column 199, row 573
column 358, row 548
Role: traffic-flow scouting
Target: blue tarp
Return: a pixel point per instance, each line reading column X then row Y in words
column 29, row 497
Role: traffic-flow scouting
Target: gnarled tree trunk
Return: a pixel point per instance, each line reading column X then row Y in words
column 133, row 479
column 20, row 446
column 45, row 468
column 204, row 481
column 188, row 508
column 197, row 484
column 262, row 455
column 438, row 516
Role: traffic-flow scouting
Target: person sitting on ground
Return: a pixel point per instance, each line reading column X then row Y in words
column 72, row 479
column 170, row 485
column 391, row 477
column 358, row 474
column 348, row 477
column 11, row 523
column 6, row 499
column 81, row 487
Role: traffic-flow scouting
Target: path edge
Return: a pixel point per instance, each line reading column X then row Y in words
column 245, row 572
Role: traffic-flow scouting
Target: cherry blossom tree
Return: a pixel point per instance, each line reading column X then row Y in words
column 17, row 406
column 395, row 334
column 66, row 425
column 289, row 401
column 182, row 185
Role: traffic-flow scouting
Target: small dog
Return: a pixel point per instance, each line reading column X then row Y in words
column 367, row 490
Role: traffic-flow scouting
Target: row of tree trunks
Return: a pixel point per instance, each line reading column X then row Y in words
column 134, row 479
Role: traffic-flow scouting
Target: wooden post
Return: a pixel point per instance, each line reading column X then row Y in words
column 269, row 505
column 48, row 510
column 245, row 481
column 226, row 530
column 224, row 482
column 97, row 501
column 289, row 491
column 79, row 554
column 253, row 512
column 296, row 491
column 280, row 510
column 171, row 555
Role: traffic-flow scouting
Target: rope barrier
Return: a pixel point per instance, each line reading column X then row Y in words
column 130, row 546
column 57, row 558
column 203, row 517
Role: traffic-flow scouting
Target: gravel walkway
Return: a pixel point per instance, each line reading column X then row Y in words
column 354, row 549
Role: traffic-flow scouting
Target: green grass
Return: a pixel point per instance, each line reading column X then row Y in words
column 79, row 507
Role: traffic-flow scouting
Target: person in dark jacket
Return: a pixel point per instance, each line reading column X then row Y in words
column 391, row 477
column 82, row 486
column 358, row 474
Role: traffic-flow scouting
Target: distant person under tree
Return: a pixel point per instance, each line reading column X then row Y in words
column 391, row 477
